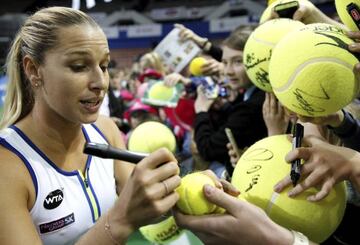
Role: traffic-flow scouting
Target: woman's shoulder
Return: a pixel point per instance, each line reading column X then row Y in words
column 13, row 169
column 107, row 126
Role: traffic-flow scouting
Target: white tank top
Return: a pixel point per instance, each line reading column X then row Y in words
column 67, row 203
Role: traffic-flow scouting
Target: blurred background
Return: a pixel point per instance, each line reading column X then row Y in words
column 134, row 27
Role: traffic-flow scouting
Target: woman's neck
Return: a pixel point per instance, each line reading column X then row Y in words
column 51, row 133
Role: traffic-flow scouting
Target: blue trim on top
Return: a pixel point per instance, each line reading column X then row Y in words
column 5, row 144
column 32, row 145
column 87, row 138
column 97, row 129
column 87, row 197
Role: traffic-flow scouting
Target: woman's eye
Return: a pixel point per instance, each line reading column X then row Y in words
column 238, row 62
column 77, row 68
column 104, row 68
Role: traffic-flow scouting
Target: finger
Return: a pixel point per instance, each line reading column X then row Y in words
column 163, row 205
column 280, row 108
column 354, row 34
column 163, row 172
column 273, row 15
column 202, row 223
column 165, row 187
column 157, row 158
column 267, row 100
column 325, row 190
column 282, row 184
column 312, row 140
column 298, row 153
column 299, row 13
column 273, row 103
column 229, row 146
column 229, row 188
column 233, row 153
column 213, row 176
column 354, row 47
column 310, row 181
column 221, row 199
column 357, row 71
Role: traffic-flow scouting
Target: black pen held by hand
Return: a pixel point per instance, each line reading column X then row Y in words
column 108, row 151
column 297, row 134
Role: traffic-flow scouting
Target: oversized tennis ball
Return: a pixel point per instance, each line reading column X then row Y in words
column 151, row 136
column 311, row 70
column 258, row 49
column 261, row 167
column 162, row 232
column 192, row 200
column 159, row 91
column 341, row 8
column 195, row 66
column 267, row 12
column 271, row 1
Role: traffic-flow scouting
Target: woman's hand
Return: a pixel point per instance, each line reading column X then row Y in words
column 149, row 191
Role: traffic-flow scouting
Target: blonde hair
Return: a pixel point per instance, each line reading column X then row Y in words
column 153, row 60
column 37, row 35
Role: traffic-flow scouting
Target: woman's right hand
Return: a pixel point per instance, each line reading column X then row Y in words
column 149, row 191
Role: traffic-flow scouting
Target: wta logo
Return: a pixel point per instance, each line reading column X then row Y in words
column 53, row 199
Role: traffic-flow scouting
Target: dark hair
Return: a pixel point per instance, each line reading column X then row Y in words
column 238, row 37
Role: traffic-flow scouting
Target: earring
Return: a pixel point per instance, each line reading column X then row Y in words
column 37, row 84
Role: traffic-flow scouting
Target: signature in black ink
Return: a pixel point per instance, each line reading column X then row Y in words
column 254, row 181
column 338, row 43
column 262, row 77
column 253, row 169
column 251, row 62
column 305, row 105
column 259, row 154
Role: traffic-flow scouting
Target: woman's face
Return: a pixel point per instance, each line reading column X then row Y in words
column 74, row 75
column 234, row 68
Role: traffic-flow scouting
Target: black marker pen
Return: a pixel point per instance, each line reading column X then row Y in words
column 107, row 151
column 297, row 134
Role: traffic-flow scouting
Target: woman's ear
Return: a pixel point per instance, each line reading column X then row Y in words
column 32, row 71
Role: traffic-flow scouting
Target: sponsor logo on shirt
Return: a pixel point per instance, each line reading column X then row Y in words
column 53, row 199
column 57, row 224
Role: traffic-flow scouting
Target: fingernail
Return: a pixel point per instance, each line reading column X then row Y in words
column 291, row 193
column 352, row 46
column 208, row 189
column 277, row 188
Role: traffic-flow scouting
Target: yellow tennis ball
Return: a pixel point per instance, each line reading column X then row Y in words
column 341, row 8
column 192, row 200
column 271, row 1
column 159, row 91
column 259, row 46
column 311, row 70
column 195, row 66
column 261, row 167
column 151, row 136
column 267, row 12
column 162, row 232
